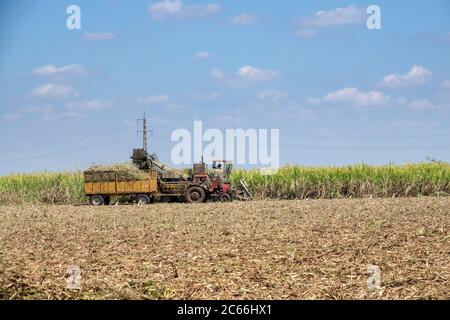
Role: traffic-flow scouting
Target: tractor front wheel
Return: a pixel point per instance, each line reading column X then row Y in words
column 225, row 197
column 195, row 195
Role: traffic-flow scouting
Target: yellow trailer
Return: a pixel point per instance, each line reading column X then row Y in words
column 99, row 186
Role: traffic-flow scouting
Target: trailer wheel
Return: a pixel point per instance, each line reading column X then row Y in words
column 195, row 195
column 142, row 199
column 225, row 197
column 96, row 200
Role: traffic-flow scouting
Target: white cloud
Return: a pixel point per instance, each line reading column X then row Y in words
column 50, row 70
column 243, row 19
column 254, row 74
column 203, row 55
column 217, row 75
column 98, row 36
column 330, row 18
column 445, row 84
column 354, row 97
column 426, row 105
column 336, row 17
column 166, row 8
column 421, row 105
column 272, row 95
column 153, row 100
column 89, row 105
column 244, row 76
column 416, row 76
column 175, row 9
column 51, row 90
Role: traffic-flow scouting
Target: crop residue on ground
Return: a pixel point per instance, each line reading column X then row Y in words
column 315, row 249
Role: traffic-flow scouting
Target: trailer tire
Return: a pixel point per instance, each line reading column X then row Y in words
column 142, row 199
column 96, row 200
column 225, row 197
column 195, row 195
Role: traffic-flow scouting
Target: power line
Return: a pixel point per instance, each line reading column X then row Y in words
column 311, row 147
column 369, row 147
column 366, row 137
column 70, row 152
column 346, row 147
column 62, row 141
column 342, row 136
column 300, row 136
column 126, row 140
column 349, row 136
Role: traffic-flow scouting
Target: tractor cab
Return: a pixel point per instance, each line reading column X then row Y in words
column 222, row 169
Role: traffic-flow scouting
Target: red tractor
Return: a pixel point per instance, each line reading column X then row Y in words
column 213, row 186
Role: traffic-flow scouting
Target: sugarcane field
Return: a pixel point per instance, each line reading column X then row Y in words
column 238, row 159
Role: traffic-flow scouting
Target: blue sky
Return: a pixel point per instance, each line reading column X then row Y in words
column 339, row 92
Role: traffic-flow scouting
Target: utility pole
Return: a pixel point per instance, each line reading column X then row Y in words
column 144, row 132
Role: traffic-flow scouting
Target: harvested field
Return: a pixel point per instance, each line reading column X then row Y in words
column 314, row 249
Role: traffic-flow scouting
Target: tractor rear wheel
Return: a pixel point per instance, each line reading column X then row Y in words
column 195, row 195
column 96, row 200
column 142, row 199
column 225, row 197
